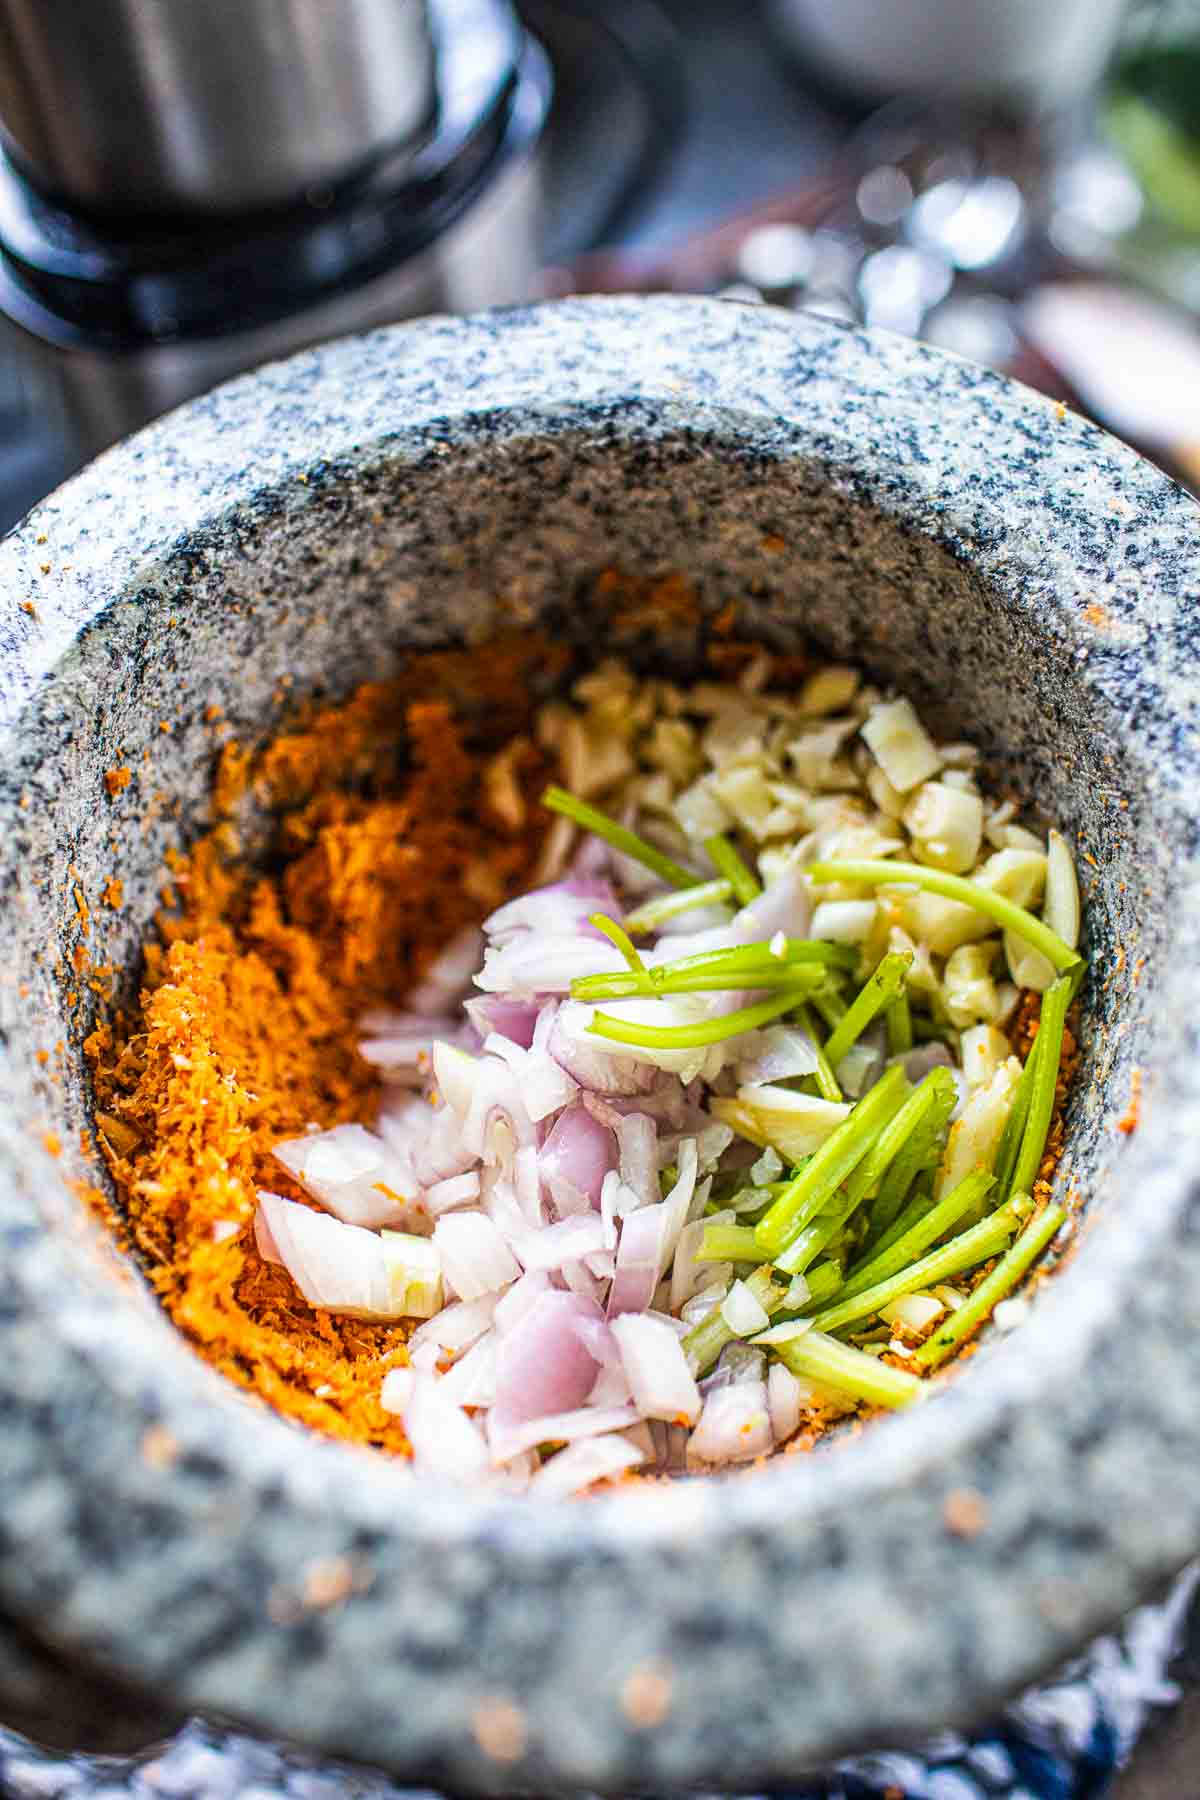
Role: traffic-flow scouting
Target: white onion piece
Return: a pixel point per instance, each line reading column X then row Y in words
column 456, row 1075
column 546, row 1086
column 495, row 1100
column 517, row 1300
column 402, row 1057
column 556, row 1245
column 598, row 1340
column 581, row 1465
column 783, row 1402
column 513, row 1019
column 785, row 905
column 338, row 1268
column 685, row 1270
column 735, row 1425
column 456, row 1327
column 579, row 1150
column 637, row 1138
column 641, row 1252
column 448, row 976
column 530, row 965
column 543, row 1365
column 860, row 1068
column 507, row 1441
column 777, row 1054
column 659, row 1379
column 475, row 1258
column 598, row 1067
column 443, row 1439
column 471, row 1381
column 351, row 1172
column 577, row 1278
column 743, row 1314
column 563, row 907
column 456, row 1190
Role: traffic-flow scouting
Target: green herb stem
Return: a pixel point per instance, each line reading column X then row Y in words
column 880, row 990
column 923, row 1232
column 665, row 907
column 800, row 978
column 899, row 1025
column 960, row 1325
column 962, row 1252
column 1006, row 913
column 914, row 1209
column 696, row 1036
column 936, row 1093
column 813, row 1187
column 728, row 1243
column 619, row 836
column 827, row 1083
column 1049, row 1042
column 816, row 1357
column 727, row 861
column 620, row 938
column 908, row 1164
column 814, row 1237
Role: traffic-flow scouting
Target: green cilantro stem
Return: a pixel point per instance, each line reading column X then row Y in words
column 813, row 1187
column 619, row 836
column 726, row 860
column 827, row 1082
column 815, row 1357
column 664, row 907
column 913, row 1157
column 618, row 936
column 823, row 1281
column 1011, row 1137
column 935, row 1093
column 1006, row 913
column 832, row 1008
column 801, row 978
column 962, row 1252
column 728, row 1243
column 960, row 1325
column 899, row 1025
column 705, row 1341
column 697, row 1036
column 919, row 1203
column 923, row 1232
column 880, row 990
column 814, row 1237
column 1049, row 1042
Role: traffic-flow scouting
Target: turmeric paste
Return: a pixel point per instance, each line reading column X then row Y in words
column 246, row 1026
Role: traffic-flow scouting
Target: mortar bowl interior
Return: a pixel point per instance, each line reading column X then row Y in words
column 314, row 525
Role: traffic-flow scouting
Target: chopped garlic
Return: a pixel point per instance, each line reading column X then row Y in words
column 830, row 690
column 1020, row 875
column 900, row 744
column 983, row 1049
column 946, row 826
column 746, row 797
column 1027, row 966
column 913, row 1312
column 975, row 1134
column 1061, row 911
column 968, row 990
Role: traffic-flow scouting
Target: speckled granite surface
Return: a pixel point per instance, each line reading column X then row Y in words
column 305, row 526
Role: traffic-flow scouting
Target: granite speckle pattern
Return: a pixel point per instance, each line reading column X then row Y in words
column 1015, row 569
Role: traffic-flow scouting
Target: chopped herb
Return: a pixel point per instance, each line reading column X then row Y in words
column 665, row 907
column 880, row 990
column 960, row 1325
column 726, row 860
column 955, row 887
column 816, row 1357
column 692, row 1037
column 619, row 836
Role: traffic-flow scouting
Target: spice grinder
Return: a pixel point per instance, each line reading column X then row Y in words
column 185, row 192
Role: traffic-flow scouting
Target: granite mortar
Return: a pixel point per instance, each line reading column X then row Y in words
column 306, row 527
